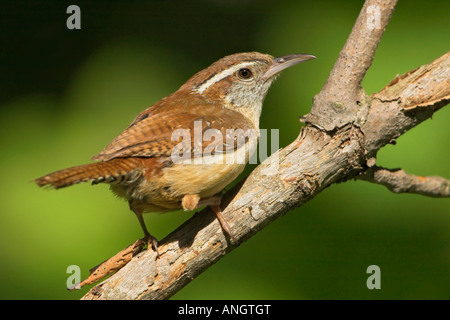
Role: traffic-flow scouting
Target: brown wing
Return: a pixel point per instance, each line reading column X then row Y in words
column 161, row 128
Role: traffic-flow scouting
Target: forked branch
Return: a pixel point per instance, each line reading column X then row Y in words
column 338, row 103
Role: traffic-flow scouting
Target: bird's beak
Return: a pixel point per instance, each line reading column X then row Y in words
column 281, row 63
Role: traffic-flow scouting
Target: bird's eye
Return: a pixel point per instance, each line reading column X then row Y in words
column 245, row 74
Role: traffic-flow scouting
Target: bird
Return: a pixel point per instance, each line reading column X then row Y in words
column 182, row 151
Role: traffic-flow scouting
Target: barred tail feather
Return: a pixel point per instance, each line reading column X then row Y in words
column 116, row 170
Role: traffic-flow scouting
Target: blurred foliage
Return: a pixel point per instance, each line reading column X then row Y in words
column 64, row 94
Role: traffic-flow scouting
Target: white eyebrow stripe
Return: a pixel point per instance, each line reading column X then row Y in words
column 225, row 73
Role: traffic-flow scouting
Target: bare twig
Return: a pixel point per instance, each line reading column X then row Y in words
column 398, row 181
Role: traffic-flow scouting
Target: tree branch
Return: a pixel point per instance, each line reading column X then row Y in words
column 338, row 103
column 405, row 102
column 398, row 181
column 295, row 174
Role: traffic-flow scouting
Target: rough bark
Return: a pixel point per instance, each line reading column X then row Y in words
column 343, row 133
column 398, row 181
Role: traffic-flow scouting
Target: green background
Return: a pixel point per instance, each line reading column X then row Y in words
column 65, row 94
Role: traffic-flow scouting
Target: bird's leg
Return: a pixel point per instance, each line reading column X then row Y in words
column 225, row 226
column 151, row 241
column 193, row 201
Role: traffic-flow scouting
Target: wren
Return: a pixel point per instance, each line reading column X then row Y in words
column 143, row 164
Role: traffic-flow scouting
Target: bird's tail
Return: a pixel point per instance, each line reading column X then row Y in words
column 115, row 170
